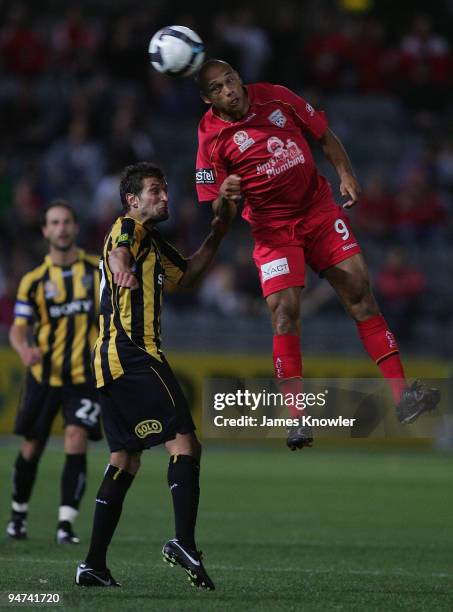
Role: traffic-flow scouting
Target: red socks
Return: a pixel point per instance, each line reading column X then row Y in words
column 378, row 341
column 288, row 367
column 380, row 344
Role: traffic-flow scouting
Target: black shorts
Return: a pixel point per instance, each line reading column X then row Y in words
column 144, row 408
column 40, row 404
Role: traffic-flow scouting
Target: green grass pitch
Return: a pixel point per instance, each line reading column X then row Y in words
column 323, row 529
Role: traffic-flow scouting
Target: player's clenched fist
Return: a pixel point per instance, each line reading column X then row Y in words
column 125, row 279
column 230, row 189
column 30, row 355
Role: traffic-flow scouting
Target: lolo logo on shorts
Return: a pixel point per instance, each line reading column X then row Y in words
column 276, row 267
column 145, row 428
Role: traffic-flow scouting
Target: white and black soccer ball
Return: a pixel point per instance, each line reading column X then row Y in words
column 176, row 51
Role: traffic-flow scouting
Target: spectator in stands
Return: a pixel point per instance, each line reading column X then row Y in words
column 74, row 40
column 75, row 165
column 420, row 211
column 23, row 50
column 400, row 287
column 217, row 290
column 426, row 67
column 376, row 215
column 444, row 164
column 241, row 30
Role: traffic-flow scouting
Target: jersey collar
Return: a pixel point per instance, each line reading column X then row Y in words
column 50, row 263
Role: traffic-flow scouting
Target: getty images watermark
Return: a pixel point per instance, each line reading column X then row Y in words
column 256, row 408
column 254, row 401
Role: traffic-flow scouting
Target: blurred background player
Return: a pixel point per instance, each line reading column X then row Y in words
column 253, row 144
column 58, row 302
column 141, row 400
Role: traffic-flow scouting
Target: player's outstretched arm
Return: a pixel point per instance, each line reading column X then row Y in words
column 18, row 338
column 201, row 259
column 120, row 266
column 226, row 204
column 336, row 154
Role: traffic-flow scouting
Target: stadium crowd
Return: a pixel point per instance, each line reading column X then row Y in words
column 79, row 101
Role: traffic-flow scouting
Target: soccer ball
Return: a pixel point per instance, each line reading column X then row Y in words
column 176, row 51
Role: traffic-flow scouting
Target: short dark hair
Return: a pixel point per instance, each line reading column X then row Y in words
column 57, row 203
column 132, row 179
column 208, row 64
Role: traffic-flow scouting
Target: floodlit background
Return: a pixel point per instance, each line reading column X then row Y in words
column 361, row 526
column 79, row 100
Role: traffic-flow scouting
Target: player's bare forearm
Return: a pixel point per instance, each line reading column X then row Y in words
column 120, row 266
column 18, row 338
column 224, row 209
column 336, row 154
column 201, row 259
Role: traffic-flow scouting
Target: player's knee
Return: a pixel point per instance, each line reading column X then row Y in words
column 31, row 450
column 285, row 321
column 362, row 304
column 184, row 444
column 75, row 439
column 285, row 311
column 133, row 462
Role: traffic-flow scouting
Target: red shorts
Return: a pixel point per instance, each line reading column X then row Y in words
column 322, row 237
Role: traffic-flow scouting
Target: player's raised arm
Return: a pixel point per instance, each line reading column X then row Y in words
column 335, row 152
column 201, row 259
column 119, row 264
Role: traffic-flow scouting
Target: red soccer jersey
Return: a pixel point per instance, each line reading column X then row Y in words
column 269, row 151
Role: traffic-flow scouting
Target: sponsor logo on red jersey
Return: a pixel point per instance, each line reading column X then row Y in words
column 243, row 140
column 204, row 176
column 284, row 157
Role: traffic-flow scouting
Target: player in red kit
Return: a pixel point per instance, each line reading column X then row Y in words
column 253, row 146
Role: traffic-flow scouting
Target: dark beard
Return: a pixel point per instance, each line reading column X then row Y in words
column 63, row 249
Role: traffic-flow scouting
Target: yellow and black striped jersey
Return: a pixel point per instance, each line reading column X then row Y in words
column 62, row 304
column 129, row 322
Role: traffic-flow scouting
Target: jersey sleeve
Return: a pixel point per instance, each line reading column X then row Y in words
column 24, row 308
column 210, row 171
column 127, row 234
column 313, row 121
column 173, row 262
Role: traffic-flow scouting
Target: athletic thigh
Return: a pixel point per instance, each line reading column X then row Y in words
column 328, row 237
column 81, row 407
column 279, row 267
column 38, row 406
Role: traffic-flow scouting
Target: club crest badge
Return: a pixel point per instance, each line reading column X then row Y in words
column 50, row 290
column 277, row 118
